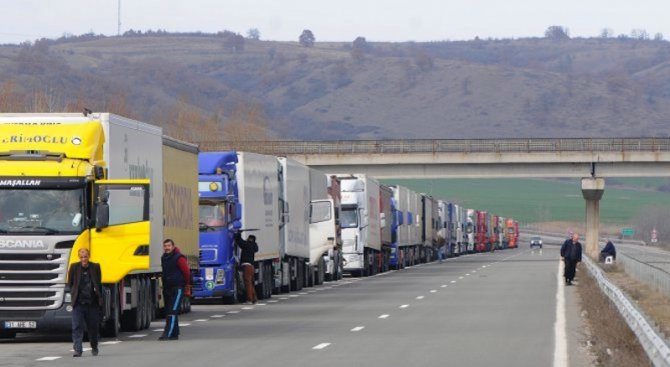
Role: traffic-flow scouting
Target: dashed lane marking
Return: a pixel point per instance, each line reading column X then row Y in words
column 201, row 320
column 419, row 297
column 138, row 336
column 384, row 316
column 48, row 358
column 358, row 328
column 215, row 317
column 320, row 346
column 273, row 301
column 453, row 281
column 404, row 306
column 467, row 274
column 433, row 291
column 283, row 298
column 246, row 308
column 112, row 342
column 185, row 324
column 460, row 277
column 233, row 312
column 443, row 286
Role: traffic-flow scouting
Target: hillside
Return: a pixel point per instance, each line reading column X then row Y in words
column 198, row 83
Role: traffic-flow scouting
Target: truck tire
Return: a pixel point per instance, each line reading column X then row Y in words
column 131, row 320
column 113, row 325
column 6, row 334
column 320, row 272
column 234, row 298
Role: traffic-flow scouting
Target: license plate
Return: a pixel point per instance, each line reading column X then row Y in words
column 20, row 325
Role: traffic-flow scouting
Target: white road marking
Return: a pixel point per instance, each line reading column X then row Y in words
column 112, row 342
column 245, row 308
column 358, row 328
column 201, row 320
column 474, row 271
column 460, row 277
column 48, row 359
column 560, row 339
column 443, row 286
column 483, row 266
column 303, row 293
column 419, row 297
column 320, row 346
column 384, row 316
column 293, row 295
column 261, row 304
column 186, row 324
column 273, row 301
column 215, row 317
column 433, row 291
column 233, row 312
column 467, row 274
column 284, row 298
column 154, row 330
column 138, row 336
column 404, row 306
column 453, row 281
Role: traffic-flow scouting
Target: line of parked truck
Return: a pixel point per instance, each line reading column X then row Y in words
column 130, row 186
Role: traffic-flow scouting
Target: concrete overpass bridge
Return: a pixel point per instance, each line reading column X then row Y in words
column 590, row 159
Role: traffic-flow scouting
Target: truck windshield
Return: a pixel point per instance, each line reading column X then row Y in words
column 349, row 218
column 42, row 211
column 212, row 214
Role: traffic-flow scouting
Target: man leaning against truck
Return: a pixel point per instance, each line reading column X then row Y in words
column 176, row 285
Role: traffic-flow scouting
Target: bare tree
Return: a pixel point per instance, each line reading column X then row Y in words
column 254, row 34
column 606, row 33
column 557, row 33
column 307, row 38
column 658, row 36
column 639, row 34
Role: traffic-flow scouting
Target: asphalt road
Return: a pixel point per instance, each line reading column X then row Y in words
column 494, row 309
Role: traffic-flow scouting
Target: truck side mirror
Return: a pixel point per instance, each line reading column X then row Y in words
column 101, row 216
column 237, row 224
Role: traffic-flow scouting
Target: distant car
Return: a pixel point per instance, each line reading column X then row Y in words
column 536, row 241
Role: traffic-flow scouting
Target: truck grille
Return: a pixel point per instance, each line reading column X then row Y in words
column 32, row 281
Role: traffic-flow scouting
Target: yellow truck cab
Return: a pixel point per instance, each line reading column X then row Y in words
column 69, row 181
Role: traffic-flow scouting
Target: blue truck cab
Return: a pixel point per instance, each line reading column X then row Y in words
column 219, row 211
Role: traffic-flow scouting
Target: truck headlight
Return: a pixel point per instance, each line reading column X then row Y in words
column 220, row 276
column 68, row 297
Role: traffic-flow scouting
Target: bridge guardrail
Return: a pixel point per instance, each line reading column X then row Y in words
column 649, row 274
column 541, row 145
column 655, row 345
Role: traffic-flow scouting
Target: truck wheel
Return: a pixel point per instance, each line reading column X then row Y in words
column 6, row 334
column 113, row 324
column 320, row 272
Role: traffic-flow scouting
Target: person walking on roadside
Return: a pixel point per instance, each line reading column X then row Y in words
column 249, row 249
column 84, row 280
column 176, row 285
column 571, row 254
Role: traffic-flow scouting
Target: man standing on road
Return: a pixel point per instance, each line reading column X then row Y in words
column 571, row 254
column 176, row 285
column 249, row 248
column 84, row 279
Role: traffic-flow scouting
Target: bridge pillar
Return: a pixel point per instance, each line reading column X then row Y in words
column 592, row 190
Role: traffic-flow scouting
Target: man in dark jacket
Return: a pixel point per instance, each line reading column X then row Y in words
column 84, row 280
column 609, row 250
column 571, row 254
column 176, row 285
column 249, row 248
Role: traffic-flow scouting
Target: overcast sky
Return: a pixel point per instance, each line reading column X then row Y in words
column 334, row 20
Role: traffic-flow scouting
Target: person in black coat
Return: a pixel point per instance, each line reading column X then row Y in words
column 84, row 280
column 609, row 250
column 249, row 248
column 571, row 254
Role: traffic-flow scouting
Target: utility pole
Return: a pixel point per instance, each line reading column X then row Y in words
column 118, row 29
